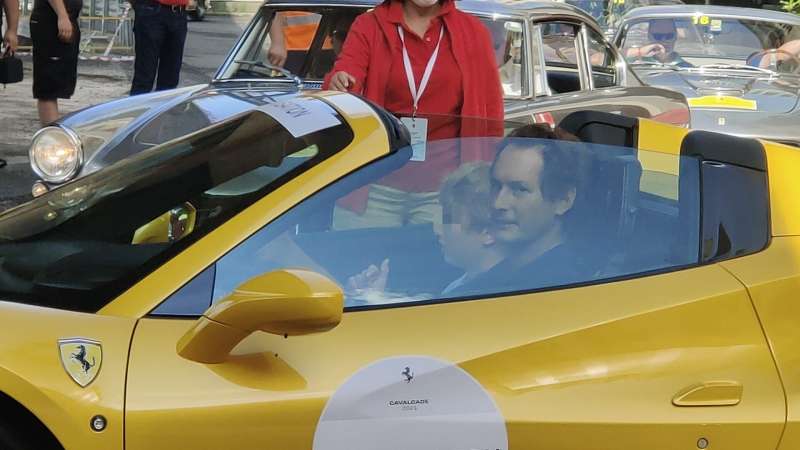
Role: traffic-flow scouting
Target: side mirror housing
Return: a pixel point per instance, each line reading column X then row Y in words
column 288, row 302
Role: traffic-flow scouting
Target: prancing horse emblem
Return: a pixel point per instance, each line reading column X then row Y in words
column 81, row 359
column 408, row 374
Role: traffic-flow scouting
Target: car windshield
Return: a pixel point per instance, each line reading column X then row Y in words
column 711, row 42
column 314, row 36
column 80, row 245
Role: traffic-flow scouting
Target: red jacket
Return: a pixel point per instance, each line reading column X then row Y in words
column 372, row 36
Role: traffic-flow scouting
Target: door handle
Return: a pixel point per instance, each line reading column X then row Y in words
column 710, row 393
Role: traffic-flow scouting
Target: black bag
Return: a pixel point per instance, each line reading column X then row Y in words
column 10, row 69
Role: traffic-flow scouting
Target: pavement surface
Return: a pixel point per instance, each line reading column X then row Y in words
column 207, row 45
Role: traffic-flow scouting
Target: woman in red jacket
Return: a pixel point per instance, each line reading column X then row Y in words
column 428, row 60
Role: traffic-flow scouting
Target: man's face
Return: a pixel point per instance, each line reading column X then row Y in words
column 521, row 213
column 662, row 31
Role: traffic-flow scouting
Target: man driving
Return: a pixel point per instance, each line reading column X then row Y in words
column 662, row 34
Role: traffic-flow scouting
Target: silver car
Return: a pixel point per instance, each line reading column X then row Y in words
column 552, row 58
column 738, row 67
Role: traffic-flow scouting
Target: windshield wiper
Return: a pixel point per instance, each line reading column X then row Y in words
column 281, row 70
column 737, row 67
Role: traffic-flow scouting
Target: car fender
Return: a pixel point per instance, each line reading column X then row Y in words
column 33, row 374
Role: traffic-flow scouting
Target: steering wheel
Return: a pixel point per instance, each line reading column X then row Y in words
column 755, row 58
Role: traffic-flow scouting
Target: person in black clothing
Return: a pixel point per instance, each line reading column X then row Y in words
column 11, row 8
column 535, row 181
column 159, row 28
column 56, row 36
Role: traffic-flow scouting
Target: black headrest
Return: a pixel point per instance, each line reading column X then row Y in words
column 602, row 128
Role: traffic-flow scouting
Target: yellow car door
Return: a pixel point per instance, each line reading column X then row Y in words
column 650, row 345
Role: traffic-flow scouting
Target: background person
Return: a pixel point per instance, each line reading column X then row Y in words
column 11, row 8
column 56, row 37
column 662, row 35
column 291, row 35
column 159, row 29
column 462, row 82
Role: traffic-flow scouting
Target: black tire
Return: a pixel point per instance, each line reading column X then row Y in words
column 9, row 440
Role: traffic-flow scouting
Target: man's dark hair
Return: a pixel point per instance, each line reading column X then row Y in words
column 562, row 168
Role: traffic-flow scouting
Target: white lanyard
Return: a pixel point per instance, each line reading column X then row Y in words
column 426, row 76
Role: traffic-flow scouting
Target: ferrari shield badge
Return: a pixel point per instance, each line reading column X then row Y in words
column 81, row 359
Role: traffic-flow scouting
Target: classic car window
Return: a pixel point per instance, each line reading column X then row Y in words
column 79, row 246
column 454, row 227
column 310, row 39
column 603, row 61
column 560, row 50
column 708, row 41
column 509, row 46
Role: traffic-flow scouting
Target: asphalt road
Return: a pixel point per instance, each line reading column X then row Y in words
column 207, row 45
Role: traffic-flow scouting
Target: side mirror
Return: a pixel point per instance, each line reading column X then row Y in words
column 284, row 302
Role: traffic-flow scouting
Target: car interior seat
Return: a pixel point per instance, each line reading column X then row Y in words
column 610, row 201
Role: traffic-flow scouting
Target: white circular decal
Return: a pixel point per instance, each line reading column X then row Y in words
column 411, row 402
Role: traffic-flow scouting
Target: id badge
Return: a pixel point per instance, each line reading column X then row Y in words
column 418, row 128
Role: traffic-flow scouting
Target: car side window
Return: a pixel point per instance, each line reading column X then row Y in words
column 508, row 43
column 603, row 61
column 560, row 49
column 464, row 222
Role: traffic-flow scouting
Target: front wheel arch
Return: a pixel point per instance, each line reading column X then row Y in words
column 23, row 428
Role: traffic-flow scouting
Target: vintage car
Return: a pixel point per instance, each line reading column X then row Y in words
column 738, row 67
column 541, row 55
column 222, row 290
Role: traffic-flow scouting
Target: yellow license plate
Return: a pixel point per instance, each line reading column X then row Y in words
column 723, row 102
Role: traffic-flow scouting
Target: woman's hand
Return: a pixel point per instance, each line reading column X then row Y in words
column 65, row 29
column 342, row 81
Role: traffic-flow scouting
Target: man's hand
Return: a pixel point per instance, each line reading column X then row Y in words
column 10, row 41
column 66, row 30
column 370, row 279
column 342, row 81
column 652, row 51
column 277, row 54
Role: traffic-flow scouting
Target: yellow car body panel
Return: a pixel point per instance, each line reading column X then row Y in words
column 773, row 281
column 542, row 357
column 659, row 165
column 783, row 164
column 31, row 372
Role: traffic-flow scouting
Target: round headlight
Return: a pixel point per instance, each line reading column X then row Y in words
column 56, row 154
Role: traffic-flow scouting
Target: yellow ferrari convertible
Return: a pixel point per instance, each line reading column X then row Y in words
column 301, row 276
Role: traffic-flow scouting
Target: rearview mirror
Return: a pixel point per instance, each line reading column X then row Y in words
column 287, row 302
